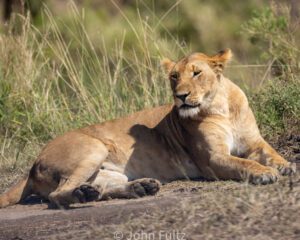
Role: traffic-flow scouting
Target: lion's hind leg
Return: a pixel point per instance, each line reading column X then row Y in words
column 115, row 185
column 75, row 187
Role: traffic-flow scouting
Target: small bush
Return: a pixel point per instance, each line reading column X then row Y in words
column 277, row 106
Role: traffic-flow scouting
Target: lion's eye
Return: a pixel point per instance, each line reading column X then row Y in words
column 174, row 76
column 196, row 73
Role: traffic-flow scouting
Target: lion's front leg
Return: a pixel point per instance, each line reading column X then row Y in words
column 225, row 166
column 217, row 146
column 266, row 155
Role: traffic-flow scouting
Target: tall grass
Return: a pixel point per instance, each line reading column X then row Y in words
column 48, row 87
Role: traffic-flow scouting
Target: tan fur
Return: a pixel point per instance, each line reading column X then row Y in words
column 209, row 132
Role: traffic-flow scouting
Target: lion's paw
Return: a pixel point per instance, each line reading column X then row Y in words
column 267, row 176
column 286, row 168
column 86, row 193
column 145, row 186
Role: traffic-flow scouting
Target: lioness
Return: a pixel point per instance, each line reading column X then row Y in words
column 209, row 132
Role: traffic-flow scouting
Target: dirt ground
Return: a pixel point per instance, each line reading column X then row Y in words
column 181, row 210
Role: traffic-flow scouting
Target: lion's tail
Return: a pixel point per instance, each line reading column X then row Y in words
column 16, row 193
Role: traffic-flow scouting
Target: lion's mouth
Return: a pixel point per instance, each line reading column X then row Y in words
column 188, row 106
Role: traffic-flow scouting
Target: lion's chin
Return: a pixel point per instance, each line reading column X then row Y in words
column 189, row 112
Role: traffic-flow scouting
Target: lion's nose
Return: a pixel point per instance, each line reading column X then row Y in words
column 182, row 97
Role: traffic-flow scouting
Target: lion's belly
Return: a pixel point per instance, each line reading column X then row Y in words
column 147, row 155
column 161, row 168
column 157, row 156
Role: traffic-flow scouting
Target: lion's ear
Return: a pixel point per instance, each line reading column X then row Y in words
column 219, row 60
column 224, row 55
column 167, row 65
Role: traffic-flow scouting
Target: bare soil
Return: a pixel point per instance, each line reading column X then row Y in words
column 181, row 210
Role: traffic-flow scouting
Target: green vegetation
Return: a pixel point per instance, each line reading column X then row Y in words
column 277, row 105
column 90, row 65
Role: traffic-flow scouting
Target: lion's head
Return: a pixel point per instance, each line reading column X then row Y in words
column 195, row 80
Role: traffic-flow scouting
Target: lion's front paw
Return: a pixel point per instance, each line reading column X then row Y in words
column 286, row 168
column 145, row 186
column 264, row 176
